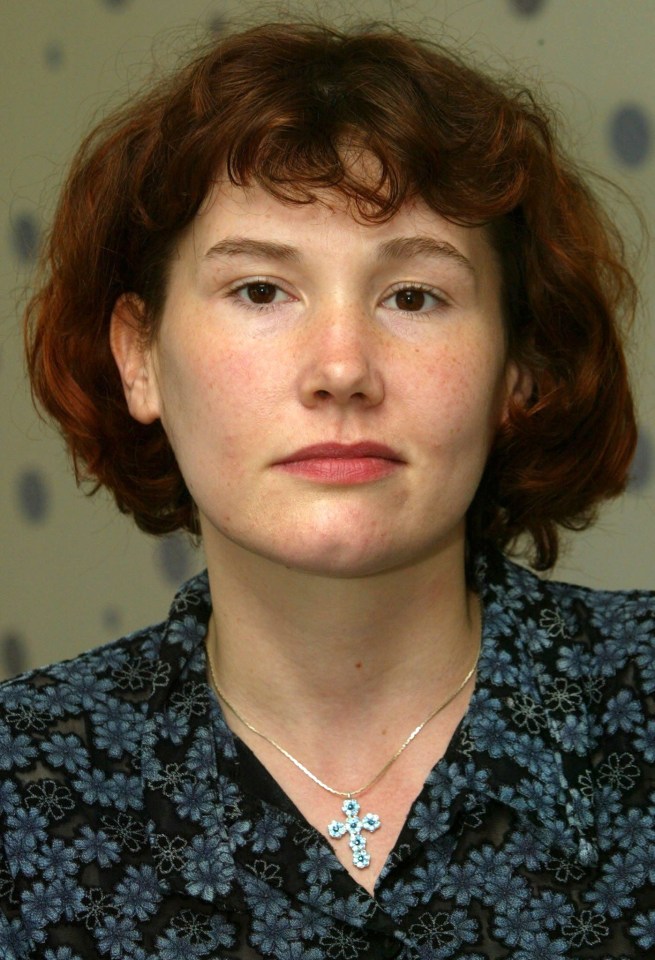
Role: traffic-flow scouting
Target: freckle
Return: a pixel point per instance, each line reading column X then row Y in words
column 359, row 665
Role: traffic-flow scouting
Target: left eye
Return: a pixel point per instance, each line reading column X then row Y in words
column 411, row 300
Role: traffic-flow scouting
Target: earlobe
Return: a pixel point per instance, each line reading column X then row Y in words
column 133, row 357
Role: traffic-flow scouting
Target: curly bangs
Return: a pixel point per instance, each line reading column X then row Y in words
column 288, row 107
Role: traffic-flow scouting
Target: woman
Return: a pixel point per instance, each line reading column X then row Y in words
column 339, row 305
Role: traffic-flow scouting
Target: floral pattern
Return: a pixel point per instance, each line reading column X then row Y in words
column 137, row 827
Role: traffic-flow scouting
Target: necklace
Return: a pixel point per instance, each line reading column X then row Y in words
column 352, row 824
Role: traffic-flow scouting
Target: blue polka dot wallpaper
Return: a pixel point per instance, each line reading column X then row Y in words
column 74, row 573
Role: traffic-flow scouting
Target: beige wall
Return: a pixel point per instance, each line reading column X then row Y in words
column 75, row 574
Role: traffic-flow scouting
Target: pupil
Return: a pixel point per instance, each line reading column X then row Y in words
column 261, row 292
column 410, row 299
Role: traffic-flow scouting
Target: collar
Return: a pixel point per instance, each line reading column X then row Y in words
column 529, row 729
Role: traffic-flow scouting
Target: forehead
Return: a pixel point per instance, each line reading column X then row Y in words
column 327, row 224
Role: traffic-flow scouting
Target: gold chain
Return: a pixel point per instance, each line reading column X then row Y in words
column 342, row 793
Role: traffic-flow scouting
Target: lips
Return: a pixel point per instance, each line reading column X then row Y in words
column 342, row 464
column 343, row 451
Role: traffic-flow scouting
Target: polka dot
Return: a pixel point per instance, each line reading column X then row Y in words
column 642, row 470
column 630, row 135
column 53, row 56
column 13, row 653
column 526, row 8
column 216, row 25
column 112, row 618
column 25, row 235
column 174, row 557
column 33, row 495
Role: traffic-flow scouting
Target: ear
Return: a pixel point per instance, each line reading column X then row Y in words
column 134, row 358
column 519, row 385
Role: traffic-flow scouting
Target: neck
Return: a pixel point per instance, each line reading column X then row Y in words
column 336, row 652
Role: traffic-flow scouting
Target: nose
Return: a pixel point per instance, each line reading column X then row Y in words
column 341, row 363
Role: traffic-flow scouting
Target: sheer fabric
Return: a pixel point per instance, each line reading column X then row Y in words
column 135, row 825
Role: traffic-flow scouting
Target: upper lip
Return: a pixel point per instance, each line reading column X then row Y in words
column 343, row 451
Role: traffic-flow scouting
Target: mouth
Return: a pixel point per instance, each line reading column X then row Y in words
column 340, row 463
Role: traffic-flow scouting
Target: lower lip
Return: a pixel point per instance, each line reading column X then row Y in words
column 341, row 470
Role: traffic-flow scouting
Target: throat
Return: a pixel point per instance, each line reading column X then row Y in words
column 352, row 764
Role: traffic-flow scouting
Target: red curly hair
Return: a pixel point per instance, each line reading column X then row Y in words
column 278, row 105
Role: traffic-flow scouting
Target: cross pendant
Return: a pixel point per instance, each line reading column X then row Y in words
column 354, row 825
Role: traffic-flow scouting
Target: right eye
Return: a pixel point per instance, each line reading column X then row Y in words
column 260, row 293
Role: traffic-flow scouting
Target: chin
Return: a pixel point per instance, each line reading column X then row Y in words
column 343, row 569
column 346, row 559
column 341, row 561
column 325, row 556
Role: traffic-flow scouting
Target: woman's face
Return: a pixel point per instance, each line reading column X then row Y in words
column 330, row 388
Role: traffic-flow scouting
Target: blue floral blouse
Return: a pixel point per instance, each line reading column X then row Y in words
column 137, row 827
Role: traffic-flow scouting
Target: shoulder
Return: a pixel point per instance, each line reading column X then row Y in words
column 570, row 631
column 54, row 720
column 76, row 755
column 70, row 685
column 616, row 626
column 108, row 687
column 607, row 613
column 604, row 607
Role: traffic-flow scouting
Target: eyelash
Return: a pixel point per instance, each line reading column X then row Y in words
column 440, row 300
column 234, row 294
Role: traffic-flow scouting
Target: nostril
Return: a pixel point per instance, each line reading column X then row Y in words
column 323, row 394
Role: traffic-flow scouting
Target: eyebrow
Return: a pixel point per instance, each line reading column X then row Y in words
column 405, row 247
column 399, row 248
column 244, row 246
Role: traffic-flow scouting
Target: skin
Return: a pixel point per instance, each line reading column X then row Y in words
column 337, row 602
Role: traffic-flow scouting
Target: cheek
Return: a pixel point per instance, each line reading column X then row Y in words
column 245, row 392
column 462, row 398
column 216, row 402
